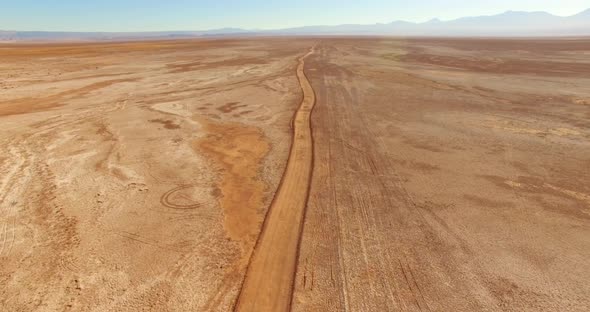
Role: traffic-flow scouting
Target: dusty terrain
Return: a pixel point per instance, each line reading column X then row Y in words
column 433, row 175
column 136, row 176
column 450, row 175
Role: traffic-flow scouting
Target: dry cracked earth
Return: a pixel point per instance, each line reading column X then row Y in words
column 302, row 174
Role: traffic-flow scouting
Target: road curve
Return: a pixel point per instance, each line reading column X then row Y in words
column 268, row 284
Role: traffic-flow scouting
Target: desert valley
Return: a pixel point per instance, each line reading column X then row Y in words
column 295, row 173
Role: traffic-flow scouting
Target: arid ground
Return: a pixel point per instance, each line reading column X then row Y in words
column 303, row 174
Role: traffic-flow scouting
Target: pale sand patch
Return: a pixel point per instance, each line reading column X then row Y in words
column 525, row 128
column 174, row 108
column 574, row 194
column 570, row 193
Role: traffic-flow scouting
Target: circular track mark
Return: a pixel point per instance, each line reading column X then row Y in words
column 165, row 199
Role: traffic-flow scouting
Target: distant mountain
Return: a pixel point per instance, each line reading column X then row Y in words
column 510, row 23
column 98, row 36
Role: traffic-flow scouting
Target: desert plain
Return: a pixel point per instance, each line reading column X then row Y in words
column 302, row 174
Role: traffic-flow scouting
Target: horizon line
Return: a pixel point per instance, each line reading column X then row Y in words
column 282, row 28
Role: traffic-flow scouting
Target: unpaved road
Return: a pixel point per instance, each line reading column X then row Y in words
column 269, row 280
column 448, row 175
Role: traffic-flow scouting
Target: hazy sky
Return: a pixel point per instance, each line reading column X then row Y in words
column 145, row 15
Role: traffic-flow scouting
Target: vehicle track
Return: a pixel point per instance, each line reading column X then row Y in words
column 166, row 201
column 268, row 285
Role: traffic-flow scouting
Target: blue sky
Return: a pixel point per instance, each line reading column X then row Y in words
column 149, row 15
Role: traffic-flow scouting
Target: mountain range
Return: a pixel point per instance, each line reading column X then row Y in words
column 510, row 23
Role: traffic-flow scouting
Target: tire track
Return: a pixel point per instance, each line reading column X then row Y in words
column 268, row 285
column 166, row 201
column 13, row 175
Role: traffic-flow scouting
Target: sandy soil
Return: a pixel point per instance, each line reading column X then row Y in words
column 447, row 175
column 450, row 175
column 136, row 176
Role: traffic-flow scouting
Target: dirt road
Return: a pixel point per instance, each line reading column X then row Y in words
column 269, row 280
